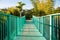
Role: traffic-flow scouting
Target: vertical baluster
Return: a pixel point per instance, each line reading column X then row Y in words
column 51, row 27
column 9, row 27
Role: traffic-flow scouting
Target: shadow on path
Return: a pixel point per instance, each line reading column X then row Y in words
column 30, row 32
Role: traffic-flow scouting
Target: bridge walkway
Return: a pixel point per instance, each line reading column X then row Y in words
column 29, row 32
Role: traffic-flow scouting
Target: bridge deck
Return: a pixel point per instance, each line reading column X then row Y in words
column 30, row 32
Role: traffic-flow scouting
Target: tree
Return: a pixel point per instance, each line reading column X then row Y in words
column 42, row 13
column 13, row 11
column 35, row 5
column 45, row 5
column 57, row 10
column 20, row 5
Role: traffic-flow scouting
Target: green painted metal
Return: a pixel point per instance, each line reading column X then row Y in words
column 10, row 26
column 48, row 26
column 38, row 23
column 55, row 28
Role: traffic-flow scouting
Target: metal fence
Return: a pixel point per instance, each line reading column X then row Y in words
column 49, row 26
column 10, row 26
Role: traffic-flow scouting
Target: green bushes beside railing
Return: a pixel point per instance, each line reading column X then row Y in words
column 49, row 26
column 10, row 26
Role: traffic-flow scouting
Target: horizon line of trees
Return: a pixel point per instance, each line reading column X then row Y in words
column 34, row 11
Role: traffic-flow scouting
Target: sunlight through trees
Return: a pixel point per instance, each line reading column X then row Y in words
column 44, row 5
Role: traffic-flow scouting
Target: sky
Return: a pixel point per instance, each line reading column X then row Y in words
column 9, row 3
column 57, row 3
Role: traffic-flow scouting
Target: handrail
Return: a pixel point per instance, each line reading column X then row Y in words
column 48, row 25
column 11, row 26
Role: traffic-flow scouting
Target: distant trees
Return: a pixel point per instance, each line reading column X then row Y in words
column 40, row 8
column 57, row 10
column 44, row 5
column 4, row 10
column 20, row 5
column 42, row 13
column 28, row 14
column 15, row 10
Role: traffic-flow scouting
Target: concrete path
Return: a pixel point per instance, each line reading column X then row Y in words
column 29, row 32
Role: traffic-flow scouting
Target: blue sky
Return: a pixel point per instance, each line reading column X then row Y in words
column 9, row 3
column 57, row 3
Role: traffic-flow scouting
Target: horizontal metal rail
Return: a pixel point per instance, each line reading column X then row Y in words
column 48, row 25
column 10, row 26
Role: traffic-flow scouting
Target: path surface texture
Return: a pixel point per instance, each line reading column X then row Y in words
column 29, row 32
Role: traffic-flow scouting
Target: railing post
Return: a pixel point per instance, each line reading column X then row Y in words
column 38, row 21
column 1, row 29
column 7, row 38
column 9, row 27
column 51, row 26
column 42, row 25
column 16, row 26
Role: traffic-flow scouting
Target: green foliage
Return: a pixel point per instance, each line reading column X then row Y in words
column 42, row 13
column 23, row 13
column 14, row 10
column 28, row 14
column 20, row 5
column 43, row 6
column 57, row 10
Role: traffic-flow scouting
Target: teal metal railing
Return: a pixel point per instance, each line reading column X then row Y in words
column 10, row 26
column 48, row 26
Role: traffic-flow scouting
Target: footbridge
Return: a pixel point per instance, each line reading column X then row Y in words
column 38, row 28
